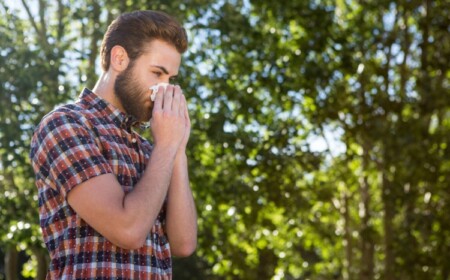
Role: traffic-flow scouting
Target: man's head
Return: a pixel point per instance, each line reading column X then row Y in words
column 141, row 49
column 133, row 31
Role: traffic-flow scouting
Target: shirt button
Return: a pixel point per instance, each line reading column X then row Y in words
column 133, row 140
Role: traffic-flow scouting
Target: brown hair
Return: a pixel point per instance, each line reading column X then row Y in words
column 132, row 30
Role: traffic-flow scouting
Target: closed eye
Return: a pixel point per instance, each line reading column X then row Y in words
column 157, row 73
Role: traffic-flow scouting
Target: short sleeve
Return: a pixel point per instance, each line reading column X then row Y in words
column 64, row 152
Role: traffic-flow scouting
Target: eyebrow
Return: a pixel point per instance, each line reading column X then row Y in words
column 162, row 68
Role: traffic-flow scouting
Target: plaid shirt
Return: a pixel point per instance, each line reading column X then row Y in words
column 72, row 144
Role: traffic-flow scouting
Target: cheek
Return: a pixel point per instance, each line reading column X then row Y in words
column 141, row 85
column 140, row 78
column 152, row 79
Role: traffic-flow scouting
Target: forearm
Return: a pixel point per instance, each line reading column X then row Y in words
column 181, row 223
column 142, row 205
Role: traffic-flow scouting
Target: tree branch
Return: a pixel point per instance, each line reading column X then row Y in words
column 30, row 16
column 40, row 32
column 42, row 6
column 60, row 31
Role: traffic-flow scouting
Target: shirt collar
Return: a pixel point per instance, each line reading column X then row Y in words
column 90, row 99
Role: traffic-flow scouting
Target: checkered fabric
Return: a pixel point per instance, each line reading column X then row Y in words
column 72, row 144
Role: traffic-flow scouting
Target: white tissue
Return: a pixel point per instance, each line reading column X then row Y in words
column 154, row 90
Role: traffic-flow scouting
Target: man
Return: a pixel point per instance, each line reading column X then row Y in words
column 112, row 205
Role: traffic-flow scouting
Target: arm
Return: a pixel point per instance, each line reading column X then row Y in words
column 181, row 222
column 126, row 219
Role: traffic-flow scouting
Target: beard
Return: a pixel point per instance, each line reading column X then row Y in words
column 132, row 95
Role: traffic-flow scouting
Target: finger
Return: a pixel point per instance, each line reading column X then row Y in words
column 159, row 99
column 182, row 104
column 186, row 113
column 176, row 100
column 168, row 97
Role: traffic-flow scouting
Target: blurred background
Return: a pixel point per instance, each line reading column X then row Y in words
column 321, row 131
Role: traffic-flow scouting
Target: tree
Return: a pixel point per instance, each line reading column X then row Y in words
column 320, row 135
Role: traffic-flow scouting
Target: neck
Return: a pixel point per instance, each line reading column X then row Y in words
column 104, row 88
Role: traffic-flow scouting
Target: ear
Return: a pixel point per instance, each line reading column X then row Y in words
column 119, row 58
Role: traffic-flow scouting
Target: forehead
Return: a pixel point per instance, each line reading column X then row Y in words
column 158, row 52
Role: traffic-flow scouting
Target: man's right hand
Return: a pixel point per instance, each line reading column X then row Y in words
column 168, row 123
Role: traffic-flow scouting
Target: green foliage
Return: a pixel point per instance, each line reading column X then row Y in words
column 320, row 135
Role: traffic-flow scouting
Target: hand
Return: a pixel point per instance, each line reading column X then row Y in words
column 168, row 123
column 187, row 132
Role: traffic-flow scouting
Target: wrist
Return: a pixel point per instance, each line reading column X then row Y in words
column 167, row 150
column 181, row 155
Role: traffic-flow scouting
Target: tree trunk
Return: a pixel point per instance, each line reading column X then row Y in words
column 96, row 36
column 42, row 263
column 367, row 246
column 12, row 263
column 267, row 260
column 445, row 270
column 348, row 244
column 388, row 229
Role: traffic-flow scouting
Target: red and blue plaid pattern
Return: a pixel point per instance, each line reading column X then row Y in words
column 72, row 144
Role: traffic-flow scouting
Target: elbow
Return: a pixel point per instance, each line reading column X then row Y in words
column 133, row 244
column 184, row 250
column 130, row 240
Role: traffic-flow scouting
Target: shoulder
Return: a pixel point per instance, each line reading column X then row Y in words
column 64, row 122
column 68, row 113
column 65, row 116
